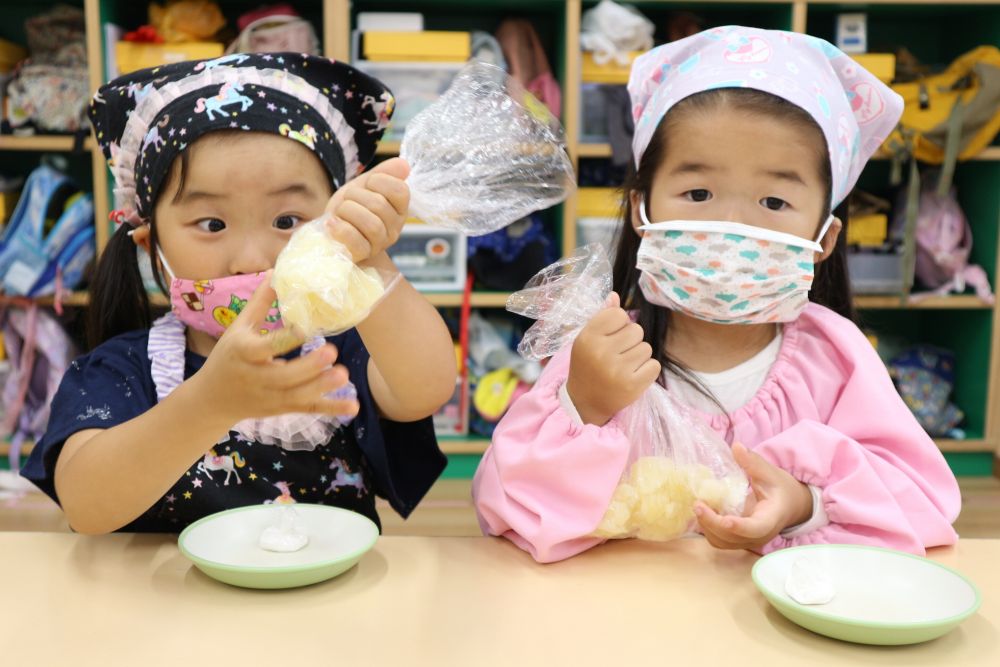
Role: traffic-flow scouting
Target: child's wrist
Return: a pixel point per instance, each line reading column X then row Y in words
column 802, row 507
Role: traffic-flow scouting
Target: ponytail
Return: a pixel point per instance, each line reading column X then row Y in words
column 118, row 299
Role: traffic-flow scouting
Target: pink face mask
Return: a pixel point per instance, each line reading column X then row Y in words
column 212, row 305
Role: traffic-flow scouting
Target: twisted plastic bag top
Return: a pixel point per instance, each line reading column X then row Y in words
column 563, row 297
column 485, row 154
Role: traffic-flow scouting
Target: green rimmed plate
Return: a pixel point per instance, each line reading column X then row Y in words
column 883, row 596
column 224, row 546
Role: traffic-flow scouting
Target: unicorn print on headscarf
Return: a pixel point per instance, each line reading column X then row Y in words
column 229, row 93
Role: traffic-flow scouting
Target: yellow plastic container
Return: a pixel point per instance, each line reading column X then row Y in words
column 10, row 55
column 610, row 72
column 8, row 200
column 598, row 203
column 868, row 230
column 425, row 46
column 132, row 56
column 882, row 65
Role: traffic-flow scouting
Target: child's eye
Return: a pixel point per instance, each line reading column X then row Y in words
column 212, row 225
column 774, row 203
column 698, row 195
column 287, row 221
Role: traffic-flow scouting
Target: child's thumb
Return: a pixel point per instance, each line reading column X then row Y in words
column 259, row 304
column 747, row 460
column 396, row 166
column 612, row 300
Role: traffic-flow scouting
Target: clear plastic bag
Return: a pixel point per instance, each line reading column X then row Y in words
column 562, row 297
column 484, row 155
column 675, row 459
column 320, row 289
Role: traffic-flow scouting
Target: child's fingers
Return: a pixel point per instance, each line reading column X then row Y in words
column 628, row 337
column 648, row 372
column 257, row 306
column 307, row 368
column 284, row 340
column 395, row 191
column 351, row 238
column 389, row 221
column 634, row 358
column 312, row 398
column 397, row 167
column 609, row 321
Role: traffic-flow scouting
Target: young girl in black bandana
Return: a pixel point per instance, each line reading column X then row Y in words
column 216, row 163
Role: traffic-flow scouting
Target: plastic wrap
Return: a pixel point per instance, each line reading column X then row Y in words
column 320, row 289
column 562, row 297
column 484, row 155
column 675, row 459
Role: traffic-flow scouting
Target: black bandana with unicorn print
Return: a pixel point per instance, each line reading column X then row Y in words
column 143, row 120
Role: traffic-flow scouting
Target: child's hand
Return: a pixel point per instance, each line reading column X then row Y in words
column 778, row 501
column 368, row 213
column 243, row 379
column 610, row 365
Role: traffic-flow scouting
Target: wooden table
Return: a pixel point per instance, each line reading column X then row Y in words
column 134, row 600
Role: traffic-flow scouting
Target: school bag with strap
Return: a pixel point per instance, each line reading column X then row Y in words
column 49, row 240
column 950, row 116
column 39, row 352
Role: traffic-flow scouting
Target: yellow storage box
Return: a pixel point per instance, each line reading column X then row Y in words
column 868, row 230
column 882, row 65
column 598, row 202
column 425, row 46
column 132, row 56
column 608, row 73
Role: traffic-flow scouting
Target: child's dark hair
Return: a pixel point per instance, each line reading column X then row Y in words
column 119, row 302
column 830, row 286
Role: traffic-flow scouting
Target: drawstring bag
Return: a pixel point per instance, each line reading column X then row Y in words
column 941, row 244
column 275, row 33
column 925, row 378
column 51, row 88
column 527, row 62
column 39, row 352
column 675, row 459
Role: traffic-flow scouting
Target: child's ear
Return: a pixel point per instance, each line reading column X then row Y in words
column 829, row 242
column 635, row 201
column 140, row 237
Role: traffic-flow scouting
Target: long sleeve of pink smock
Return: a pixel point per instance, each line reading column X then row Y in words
column 827, row 413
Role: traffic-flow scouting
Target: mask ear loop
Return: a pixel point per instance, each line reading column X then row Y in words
column 824, row 229
column 166, row 264
column 642, row 212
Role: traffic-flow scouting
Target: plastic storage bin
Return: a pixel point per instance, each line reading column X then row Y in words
column 414, row 85
column 431, row 258
column 875, row 273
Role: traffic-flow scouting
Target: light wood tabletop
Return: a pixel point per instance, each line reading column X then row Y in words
column 135, row 600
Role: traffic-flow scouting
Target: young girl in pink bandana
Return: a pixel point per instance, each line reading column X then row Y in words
column 731, row 291
column 169, row 419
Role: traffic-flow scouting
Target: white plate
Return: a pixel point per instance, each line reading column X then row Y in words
column 224, row 545
column 882, row 596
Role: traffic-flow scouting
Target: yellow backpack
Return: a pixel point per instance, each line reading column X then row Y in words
column 955, row 114
column 948, row 117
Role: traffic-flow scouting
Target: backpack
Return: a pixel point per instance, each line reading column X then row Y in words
column 527, row 62
column 952, row 115
column 272, row 30
column 940, row 244
column 39, row 352
column 49, row 240
column 925, row 378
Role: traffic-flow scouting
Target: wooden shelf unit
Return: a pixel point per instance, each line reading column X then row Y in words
column 335, row 32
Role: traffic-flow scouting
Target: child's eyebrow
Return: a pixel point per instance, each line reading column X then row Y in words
column 789, row 175
column 292, row 189
column 691, row 168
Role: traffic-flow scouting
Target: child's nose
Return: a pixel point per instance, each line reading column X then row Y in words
column 250, row 256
